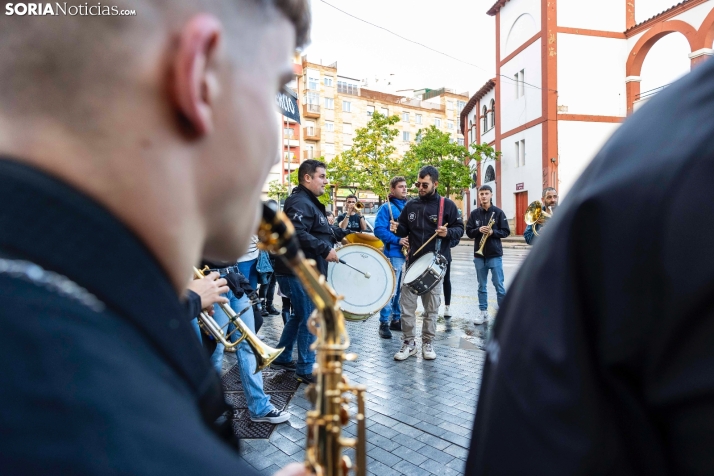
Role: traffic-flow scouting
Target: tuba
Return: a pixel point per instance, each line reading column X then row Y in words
column 264, row 354
column 534, row 213
column 331, row 393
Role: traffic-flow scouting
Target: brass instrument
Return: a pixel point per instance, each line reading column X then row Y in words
column 534, row 213
column 364, row 239
column 359, row 206
column 264, row 354
column 485, row 236
column 325, row 443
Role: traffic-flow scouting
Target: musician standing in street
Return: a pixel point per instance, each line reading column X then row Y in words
column 492, row 258
column 352, row 219
column 419, row 222
column 550, row 202
column 316, row 238
column 130, row 147
column 393, row 251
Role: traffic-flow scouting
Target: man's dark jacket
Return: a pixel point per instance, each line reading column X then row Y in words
column 608, row 369
column 315, row 234
column 481, row 217
column 418, row 221
column 100, row 370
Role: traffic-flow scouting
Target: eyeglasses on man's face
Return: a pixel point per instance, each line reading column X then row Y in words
column 424, row 185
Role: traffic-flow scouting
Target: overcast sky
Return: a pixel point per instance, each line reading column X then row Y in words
column 459, row 28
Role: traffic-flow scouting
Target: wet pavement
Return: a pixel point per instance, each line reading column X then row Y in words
column 419, row 413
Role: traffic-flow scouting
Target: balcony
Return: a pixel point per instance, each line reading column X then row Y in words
column 311, row 133
column 311, row 110
column 311, row 154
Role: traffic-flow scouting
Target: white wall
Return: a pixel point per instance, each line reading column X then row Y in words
column 578, row 143
column 591, row 75
column 646, row 9
column 511, row 12
column 518, row 111
column 695, row 16
column 667, row 61
column 530, row 174
column 607, row 15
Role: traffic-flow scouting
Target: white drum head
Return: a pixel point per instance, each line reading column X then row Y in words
column 362, row 297
column 418, row 267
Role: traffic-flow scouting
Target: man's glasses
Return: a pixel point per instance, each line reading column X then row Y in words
column 423, row 185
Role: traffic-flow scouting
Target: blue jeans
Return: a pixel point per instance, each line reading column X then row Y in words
column 393, row 309
column 296, row 327
column 249, row 269
column 258, row 402
column 495, row 264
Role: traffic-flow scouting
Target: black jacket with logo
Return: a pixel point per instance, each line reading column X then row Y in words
column 418, row 221
column 316, row 235
column 481, row 217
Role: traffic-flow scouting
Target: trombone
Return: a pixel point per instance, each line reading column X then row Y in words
column 264, row 354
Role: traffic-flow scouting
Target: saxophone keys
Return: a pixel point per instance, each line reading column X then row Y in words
column 351, row 357
column 346, row 464
column 344, row 415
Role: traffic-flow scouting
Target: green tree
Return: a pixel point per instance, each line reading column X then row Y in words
column 344, row 172
column 436, row 148
column 373, row 155
column 277, row 191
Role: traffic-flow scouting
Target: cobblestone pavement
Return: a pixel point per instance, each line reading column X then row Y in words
column 419, row 413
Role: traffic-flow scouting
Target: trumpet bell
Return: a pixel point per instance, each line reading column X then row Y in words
column 359, row 206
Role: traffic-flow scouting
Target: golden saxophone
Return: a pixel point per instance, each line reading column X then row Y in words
column 330, row 395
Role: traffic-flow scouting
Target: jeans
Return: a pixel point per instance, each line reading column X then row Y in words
column 258, row 402
column 392, row 309
column 296, row 327
column 250, row 271
column 495, row 264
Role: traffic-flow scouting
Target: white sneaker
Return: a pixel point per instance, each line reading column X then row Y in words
column 447, row 312
column 427, row 351
column 481, row 317
column 408, row 349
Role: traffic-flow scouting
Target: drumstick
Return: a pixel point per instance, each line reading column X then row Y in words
column 427, row 242
column 389, row 204
column 366, row 275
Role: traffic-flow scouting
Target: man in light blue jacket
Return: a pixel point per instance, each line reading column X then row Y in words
column 393, row 250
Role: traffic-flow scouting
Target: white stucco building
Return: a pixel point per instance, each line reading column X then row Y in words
column 567, row 74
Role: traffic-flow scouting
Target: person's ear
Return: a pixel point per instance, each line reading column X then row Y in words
column 195, row 75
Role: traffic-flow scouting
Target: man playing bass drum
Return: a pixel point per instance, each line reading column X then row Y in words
column 418, row 221
column 492, row 257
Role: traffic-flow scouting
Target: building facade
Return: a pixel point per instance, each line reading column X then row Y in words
column 567, row 74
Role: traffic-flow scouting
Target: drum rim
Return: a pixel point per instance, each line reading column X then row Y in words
column 364, row 317
column 435, row 259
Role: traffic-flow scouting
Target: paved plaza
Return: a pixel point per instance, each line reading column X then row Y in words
column 419, row 413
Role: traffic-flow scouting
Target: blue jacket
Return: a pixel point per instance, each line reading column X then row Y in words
column 392, row 248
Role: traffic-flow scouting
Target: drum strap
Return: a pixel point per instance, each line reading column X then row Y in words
column 439, row 221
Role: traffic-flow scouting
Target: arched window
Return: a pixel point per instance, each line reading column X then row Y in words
column 490, row 174
column 493, row 113
column 485, row 119
column 471, row 132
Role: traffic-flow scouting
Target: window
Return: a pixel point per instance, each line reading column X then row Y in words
column 493, row 113
column 346, row 106
column 521, row 153
column 471, row 132
column 287, row 133
column 449, row 124
column 450, row 105
column 313, row 98
column 490, row 174
column 385, row 111
column 347, row 128
column 437, row 122
column 485, row 119
column 329, row 126
column 329, row 103
column 346, row 88
column 329, row 148
column 405, row 136
column 312, row 83
column 520, row 83
column 417, row 118
column 405, row 117
column 370, row 110
column 460, row 105
column 460, row 141
column 328, row 81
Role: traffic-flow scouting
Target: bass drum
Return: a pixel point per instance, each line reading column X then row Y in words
column 362, row 297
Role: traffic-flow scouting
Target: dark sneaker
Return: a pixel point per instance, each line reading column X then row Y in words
column 384, row 332
column 274, row 417
column 396, row 325
column 308, row 379
column 283, row 365
column 271, row 310
column 264, row 313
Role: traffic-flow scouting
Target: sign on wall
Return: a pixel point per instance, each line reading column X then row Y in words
column 519, row 186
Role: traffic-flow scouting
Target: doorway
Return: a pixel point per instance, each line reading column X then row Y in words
column 521, row 207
